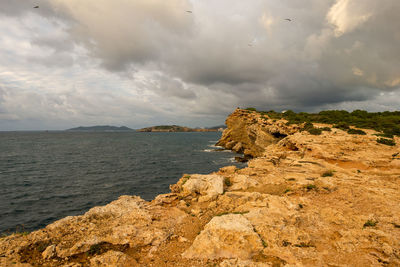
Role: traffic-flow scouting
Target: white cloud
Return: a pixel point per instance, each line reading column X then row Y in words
column 347, row 15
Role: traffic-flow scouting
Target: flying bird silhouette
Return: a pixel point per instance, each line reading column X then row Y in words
column 36, row 7
column 189, row 11
column 288, row 19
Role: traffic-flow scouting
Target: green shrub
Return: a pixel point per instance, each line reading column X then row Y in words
column 328, row 173
column 388, row 123
column 388, row 142
column 311, row 186
column 356, row 131
column 342, row 126
column 370, row 223
column 309, row 127
column 385, row 135
column 227, row 181
column 251, row 109
column 315, row 131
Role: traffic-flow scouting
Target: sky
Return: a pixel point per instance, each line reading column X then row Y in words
column 139, row 63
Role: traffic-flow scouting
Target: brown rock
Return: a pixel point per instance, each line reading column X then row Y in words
column 112, row 258
column 227, row 236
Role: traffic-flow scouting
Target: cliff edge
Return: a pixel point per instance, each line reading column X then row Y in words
column 304, row 200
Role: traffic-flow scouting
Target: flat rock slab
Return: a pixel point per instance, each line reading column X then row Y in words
column 227, row 236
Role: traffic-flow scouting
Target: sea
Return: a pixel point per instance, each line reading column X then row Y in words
column 45, row 176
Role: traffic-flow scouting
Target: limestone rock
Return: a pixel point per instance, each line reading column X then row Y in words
column 227, row 236
column 49, row 252
column 242, row 182
column 206, row 185
column 243, row 263
column 112, row 258
column 249, row 134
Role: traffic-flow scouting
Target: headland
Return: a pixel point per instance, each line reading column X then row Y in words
column 307, row 198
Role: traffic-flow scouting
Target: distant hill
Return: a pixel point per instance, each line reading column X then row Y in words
column 104, row 128
column 174, row 128
column 218, row 127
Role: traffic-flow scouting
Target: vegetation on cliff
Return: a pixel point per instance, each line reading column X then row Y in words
column 388, row 123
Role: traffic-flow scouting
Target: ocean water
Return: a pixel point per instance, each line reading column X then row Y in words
column 45, row 176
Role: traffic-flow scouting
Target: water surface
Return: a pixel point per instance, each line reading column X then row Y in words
column 45, row 176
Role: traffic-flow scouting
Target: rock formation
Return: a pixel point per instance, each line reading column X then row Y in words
column 304, row 200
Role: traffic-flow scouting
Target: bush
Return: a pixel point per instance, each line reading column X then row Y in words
column 388, row 123
column 342, row 126
column 370, row 223
column 251, row 109
column 311, row 186
column 385, row 135
column 315, row 131
column 327, row 173
column 388, row 142
column 356, row 131
column 325, row 129
column 227, row 181
column 309, row 127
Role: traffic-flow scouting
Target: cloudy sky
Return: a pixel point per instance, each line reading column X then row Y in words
column 145, row 62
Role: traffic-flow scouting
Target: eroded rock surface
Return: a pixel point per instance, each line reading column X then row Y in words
column 226, row 236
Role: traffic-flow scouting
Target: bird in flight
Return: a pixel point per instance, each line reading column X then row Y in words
column 189, row 11
column 36, row 7
column 288, row 19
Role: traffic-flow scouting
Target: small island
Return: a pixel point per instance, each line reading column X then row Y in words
column 103, row 128
column 176, row 128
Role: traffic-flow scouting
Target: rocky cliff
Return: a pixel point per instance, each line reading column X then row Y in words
column 304, row 200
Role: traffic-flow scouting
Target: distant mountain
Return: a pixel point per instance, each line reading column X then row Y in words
column 174, row 128
column 104, row 128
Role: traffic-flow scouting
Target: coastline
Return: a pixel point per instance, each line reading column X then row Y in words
column 303, row 200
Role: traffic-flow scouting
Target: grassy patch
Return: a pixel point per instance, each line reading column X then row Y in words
column 304, row 245
column 388, row 142
column 94, row 249
column 235, row 212
column 370, row 223
column 310, row 187
column 227, row 181
column 328, row 173
column 264, row 243
column 185, row 179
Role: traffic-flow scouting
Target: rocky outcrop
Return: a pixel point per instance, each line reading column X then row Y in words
column 305, row 200
column 250, row 134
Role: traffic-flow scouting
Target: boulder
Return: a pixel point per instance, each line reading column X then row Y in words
column 205, row 185
column 227, row 236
